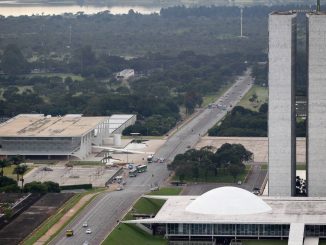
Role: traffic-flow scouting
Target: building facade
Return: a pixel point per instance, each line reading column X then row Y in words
column 36, row 135
column 316, row 133
column 281, row 112
column 228, row 213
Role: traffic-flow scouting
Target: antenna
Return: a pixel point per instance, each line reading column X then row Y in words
column 318, row 5
column 241, row 19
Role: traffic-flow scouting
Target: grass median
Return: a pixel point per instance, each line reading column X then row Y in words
column 47, row 224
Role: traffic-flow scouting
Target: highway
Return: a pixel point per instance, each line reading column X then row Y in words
column 190, row 134
column 108, row 208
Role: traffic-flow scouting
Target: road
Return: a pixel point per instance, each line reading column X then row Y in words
column 107, row 208
column 189, row 135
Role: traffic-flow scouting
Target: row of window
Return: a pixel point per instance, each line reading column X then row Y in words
column 228, row 229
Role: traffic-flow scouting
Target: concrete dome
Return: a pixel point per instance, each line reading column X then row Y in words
column 228, row 201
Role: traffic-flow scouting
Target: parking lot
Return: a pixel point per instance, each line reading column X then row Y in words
column 97, row 175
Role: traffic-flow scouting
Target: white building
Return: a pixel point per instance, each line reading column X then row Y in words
column 70, row 136
column 125, row 74
column 228, row 213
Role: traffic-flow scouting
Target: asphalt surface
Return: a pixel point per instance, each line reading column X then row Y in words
column 107, row 209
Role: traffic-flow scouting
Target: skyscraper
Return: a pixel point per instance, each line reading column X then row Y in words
column 316, row 133
column 281, row 114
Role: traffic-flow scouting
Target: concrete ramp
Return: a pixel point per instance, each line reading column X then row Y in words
column 311, row 241
column 296, row 234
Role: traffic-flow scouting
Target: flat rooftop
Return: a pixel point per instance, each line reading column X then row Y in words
column 307, row 210
column 38, row 125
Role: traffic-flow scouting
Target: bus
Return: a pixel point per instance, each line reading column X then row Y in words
column 141, row 168
column 149, row 158
column 133, row 172
column 69, row 233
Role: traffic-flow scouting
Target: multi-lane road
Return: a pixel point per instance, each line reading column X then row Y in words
column 107, row 209
column 190, row 134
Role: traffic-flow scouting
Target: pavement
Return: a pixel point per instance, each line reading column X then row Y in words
column 105, row 211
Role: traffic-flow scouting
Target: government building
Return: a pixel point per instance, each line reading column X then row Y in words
column 69, row 136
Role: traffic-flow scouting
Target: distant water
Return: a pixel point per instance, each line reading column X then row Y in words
column 14, row 8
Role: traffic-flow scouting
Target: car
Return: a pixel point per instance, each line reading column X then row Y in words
column 119, row 188
column 88, row 231
column 239, row 182
column 85, row 224
column 256, row 191
column 155, row 188
column 86, row 243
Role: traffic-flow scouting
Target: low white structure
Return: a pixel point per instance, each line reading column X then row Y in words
column 231, row 212
column 70, row 135
column 125, row 74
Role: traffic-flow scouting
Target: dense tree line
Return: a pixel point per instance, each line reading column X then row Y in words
column 243, row 122
column 163, row 84
column 195, row 164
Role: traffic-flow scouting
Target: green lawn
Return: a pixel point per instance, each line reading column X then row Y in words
column 262, row 97
column 7, row 171
column 125, row 234
column 167, row 191
column 264, row 242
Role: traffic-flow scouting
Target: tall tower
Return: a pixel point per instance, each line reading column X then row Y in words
column 316, row 124
column 281, row 112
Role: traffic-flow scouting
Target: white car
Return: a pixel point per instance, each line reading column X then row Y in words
column 88, row 231
column 85, row 224
column 86, row 243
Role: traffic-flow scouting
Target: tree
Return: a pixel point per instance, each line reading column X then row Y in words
column 17, row 159
column 3, row 163
column 235, row 170
column 8, row 185
column 35, row 187
column 52, row 186
column 13, row 61
column 20, row 170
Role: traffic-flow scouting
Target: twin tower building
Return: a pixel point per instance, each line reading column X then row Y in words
column 282, row 116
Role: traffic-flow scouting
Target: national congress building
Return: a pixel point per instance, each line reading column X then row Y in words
column 281, row 117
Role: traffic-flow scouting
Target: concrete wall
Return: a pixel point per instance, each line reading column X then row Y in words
column 281, row 115
column 316, row 137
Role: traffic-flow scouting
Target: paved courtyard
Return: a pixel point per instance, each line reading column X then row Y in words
column 257, row 145
column 97, row 175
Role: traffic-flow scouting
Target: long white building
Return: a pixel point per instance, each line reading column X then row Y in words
column 71, row 135
column 227, row 213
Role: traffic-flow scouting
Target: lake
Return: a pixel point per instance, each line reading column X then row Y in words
column 14, row 8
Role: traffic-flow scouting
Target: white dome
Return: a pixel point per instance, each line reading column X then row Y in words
column 228, row 201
